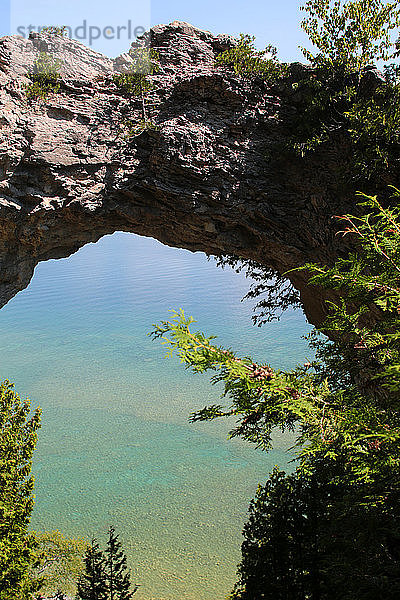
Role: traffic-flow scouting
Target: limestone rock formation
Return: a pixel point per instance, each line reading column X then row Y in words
column 70, row 171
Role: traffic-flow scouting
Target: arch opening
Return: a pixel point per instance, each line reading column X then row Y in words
column 115, row 413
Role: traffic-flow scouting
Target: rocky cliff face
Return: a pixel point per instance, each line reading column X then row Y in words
column 206, row 179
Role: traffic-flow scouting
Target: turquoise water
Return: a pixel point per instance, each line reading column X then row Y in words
column 115, row 446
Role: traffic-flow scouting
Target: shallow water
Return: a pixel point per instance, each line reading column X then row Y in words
column 115, row 446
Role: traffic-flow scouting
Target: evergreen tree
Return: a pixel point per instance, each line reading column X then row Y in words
column 118, row 576
column 18, row 435
column 280, row 557
column 92, row 584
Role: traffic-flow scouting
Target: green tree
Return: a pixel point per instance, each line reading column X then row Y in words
column 18, row 436
column 280, row 558
column 60, row 562
column 351, row 35
column 118, row 576
column 339, row 100
column 308, row 538
column 92, row 584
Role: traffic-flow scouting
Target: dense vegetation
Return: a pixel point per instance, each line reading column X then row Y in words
column 60, row 562
column 338, row 99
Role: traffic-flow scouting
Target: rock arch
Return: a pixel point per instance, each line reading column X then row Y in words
column 204, row 180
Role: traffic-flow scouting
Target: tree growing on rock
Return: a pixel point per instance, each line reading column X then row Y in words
column 136, row 83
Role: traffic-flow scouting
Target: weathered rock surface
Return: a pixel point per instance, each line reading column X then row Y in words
column 205, row 180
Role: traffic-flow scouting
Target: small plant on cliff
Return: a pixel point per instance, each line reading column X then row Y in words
column 18, row 435
column 145, row 60
column 131, row 129
column 61, row 30
column 136, row 82
column 245, row 60
column 45, row 77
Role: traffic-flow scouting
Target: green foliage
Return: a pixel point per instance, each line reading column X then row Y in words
column 262, row 398
column 45, row 77
column 374, row 127
column 61, row 30
column 351, row 35
column 92, row 584
column 118, row 577
column 245, row 60
column 134, row 129
column 145, row 60
column 367, row 319
column 279, row 553
column 333, row 104
column 61, row 562
column 392, row 73
column 136, row 83
column 106, row 575
column 18, row 435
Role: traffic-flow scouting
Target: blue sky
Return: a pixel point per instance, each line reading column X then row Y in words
column 270, row 21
